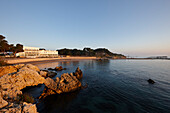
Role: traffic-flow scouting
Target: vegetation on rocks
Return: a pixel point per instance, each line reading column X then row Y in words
column 100, row 52
column 26, row 98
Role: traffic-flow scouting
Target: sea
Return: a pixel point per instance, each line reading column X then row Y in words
column 114, row 86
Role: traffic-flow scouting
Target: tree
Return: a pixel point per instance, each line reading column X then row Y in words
column 2, row 37
column 4, row 46
column 88, row 52
column 17, row 48
column 100, row 52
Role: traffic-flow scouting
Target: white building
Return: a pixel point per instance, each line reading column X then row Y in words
column 48, row 53
column 34, row 52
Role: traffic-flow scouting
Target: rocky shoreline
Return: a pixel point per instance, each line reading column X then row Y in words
column 15, row 78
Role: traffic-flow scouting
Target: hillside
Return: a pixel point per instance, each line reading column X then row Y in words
column 99, row 52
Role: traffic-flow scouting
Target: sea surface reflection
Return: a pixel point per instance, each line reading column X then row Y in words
column 114, row 86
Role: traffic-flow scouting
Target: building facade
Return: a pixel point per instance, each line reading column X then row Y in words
column 159, row 57
column 35, row 52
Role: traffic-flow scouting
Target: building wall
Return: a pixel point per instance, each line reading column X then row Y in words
column 34, row 51
column 25, row 48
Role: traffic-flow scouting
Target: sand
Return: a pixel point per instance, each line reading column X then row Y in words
column 43, row 60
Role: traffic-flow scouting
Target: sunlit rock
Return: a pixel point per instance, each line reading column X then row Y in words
column 78, row 73
column 33, row 67
column 60, row 68
column 20, row 108
column 3, row 103
column 29, row 108
column 11, row 84
column 66, row 83
column 10, row 69
column 43, row 73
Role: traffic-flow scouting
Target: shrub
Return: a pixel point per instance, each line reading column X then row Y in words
column 2, row 61
column 26, row 98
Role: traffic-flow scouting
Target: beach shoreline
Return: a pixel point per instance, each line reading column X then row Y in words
column 45, row 60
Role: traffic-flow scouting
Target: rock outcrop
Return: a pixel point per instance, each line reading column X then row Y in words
column 29, row 108
column 43, row 73
column 3, row 103
column 151, row 81
column 51, row 74
column 58, row 68
column 14, row 78
column 66, row 83
column 32, row 67
column 27, row 75
column 10, row 69
column 46, row 73
column 69, row 83
column 78, row 73
column 20, row 108
column 12, row 108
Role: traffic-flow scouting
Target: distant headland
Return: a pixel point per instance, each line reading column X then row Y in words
column 99, row 52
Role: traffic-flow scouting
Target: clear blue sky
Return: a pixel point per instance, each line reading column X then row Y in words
column 130, row 27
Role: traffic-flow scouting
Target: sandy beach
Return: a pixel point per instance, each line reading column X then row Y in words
column 43, row 60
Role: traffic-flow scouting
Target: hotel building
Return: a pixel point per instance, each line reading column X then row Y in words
column 35, row 52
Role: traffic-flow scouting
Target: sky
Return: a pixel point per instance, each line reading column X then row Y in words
column 137, row 28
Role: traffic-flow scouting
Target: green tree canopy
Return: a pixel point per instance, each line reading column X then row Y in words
column 4, row 46
column 100, row 52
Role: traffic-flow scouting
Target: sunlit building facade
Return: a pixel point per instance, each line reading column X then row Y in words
column 35, row 52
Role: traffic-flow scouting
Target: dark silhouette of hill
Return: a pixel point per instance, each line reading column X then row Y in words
column 99, row 52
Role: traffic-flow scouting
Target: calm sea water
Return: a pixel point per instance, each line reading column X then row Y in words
column 114, row 86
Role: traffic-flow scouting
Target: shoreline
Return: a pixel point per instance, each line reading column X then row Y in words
column 45, row 60
column 35, row 61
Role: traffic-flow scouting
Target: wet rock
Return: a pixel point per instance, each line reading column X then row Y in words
column 151, row 81
column 78, row 73
column 84, row 87
column 51, row 69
